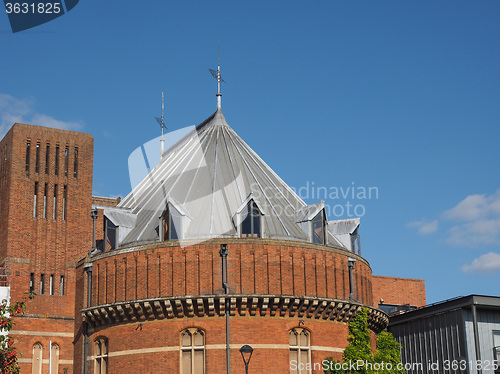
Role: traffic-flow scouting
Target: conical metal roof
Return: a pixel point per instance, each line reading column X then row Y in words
column 208, row 176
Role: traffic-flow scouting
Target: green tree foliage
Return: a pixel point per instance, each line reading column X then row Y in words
column 385, row 360
column 8, row 354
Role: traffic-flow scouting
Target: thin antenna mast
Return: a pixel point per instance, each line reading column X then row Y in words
column 216, row 74
column 161, row 122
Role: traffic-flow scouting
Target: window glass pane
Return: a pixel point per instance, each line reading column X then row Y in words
column 246, row 224
column 293, row 339
column 175, row 226
column 186, row 339
column 199, row 362
column 318, row 229
column 496, row 338
column 110, row 235
column 303, row 360
column 198, row 338
column 294, row 356
column 304, row 341
column 256, row 221
column 186, row 362
column 98, row 348
column 104, row 345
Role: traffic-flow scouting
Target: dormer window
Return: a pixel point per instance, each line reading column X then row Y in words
column 110, row 234
column 250, row 225
column 171, row 223
column 318, row 228
column 312, row 220
column 248, row 219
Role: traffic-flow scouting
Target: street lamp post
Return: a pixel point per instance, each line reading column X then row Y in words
column 246, row 350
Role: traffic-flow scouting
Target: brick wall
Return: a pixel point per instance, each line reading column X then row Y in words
column 398, row 290
column 269, row 268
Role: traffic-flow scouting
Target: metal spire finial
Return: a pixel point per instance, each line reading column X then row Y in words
column 162, row 123
column 217, row 75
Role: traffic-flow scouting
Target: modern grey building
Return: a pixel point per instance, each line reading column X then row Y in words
column 460, row 335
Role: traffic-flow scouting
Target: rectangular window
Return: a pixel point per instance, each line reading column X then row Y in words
column 51, row 284
column 35, row 199
column 54, row 208
column 28, row 151
column 56, row 168
column 66, row 161
column 47, row 158
column 65, row 201
column 75, row 164
column 32, row 282
column 45, row 201
column 37, row 158
column 61, row 286
column 42, row 283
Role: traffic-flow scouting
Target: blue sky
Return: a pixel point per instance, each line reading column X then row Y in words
column 402, row 96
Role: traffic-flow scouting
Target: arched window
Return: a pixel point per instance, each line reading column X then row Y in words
column 300, row 350
column 192, row 351
column 54, row 357
column 36, row 367
column 101, row 356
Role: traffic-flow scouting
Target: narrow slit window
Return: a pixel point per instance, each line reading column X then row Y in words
column 66, row 161
column 54, row 207
column 28, row 151
column 51, row 284
column 65, row 201
column 56, row 166
column 45, row 201
column 37, row 158
column 42, row 284
column 75, row 164
column 32, row 282
column 47, row 158
column 61, row 286
column 35, row 199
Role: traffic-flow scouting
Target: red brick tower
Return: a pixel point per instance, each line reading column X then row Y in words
column 45, row 200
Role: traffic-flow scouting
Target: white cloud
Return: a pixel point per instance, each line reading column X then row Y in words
column 424, row 227
column 45, row 120
column 488, row 263
column 14, row 110
column 480, row 216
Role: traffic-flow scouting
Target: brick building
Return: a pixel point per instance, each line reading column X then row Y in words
column 153, row 293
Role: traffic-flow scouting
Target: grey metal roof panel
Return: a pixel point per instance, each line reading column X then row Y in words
column 343, row 226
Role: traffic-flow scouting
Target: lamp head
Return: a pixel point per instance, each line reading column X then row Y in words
column 246, row 351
